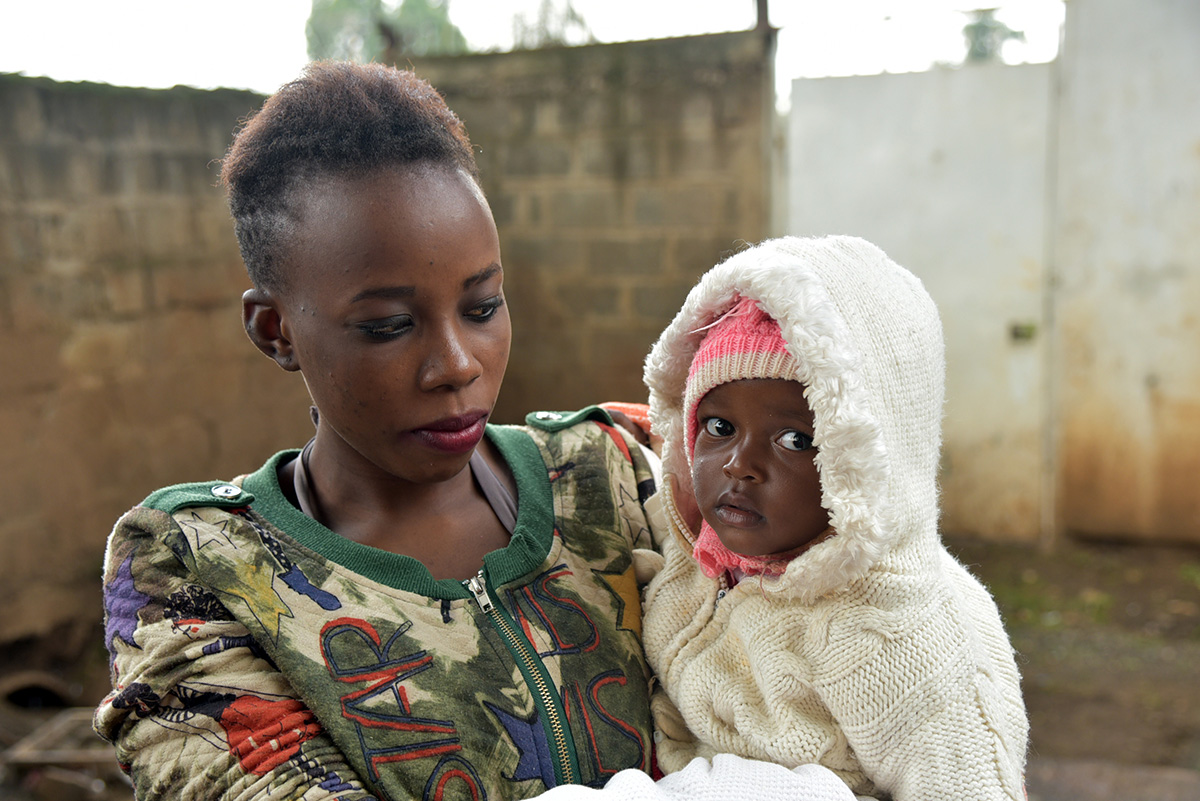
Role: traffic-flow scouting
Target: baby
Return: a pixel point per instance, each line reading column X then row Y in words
column 816, row 617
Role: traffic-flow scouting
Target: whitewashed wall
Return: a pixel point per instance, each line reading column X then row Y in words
column 1127, row 251
column 946, row 171
column 1062, row 200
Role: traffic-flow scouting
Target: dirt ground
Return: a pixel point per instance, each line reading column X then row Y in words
column 1108, row 642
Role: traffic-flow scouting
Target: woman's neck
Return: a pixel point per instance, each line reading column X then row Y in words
column 448, row 525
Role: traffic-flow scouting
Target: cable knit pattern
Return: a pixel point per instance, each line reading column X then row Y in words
column 875, row 654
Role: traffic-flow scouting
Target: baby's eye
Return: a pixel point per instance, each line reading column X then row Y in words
column 795, row 441
column 717, row 427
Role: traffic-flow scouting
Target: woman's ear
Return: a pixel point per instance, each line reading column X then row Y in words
column 264, row 326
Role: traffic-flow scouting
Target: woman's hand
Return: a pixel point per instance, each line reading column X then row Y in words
column 634, row 418
column 624, row 421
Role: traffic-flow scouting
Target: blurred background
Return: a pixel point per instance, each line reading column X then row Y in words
column 1035, row 162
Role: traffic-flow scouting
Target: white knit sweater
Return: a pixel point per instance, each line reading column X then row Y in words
column 875, row 654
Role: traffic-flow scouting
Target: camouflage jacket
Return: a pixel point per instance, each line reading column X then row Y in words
column 256, row 654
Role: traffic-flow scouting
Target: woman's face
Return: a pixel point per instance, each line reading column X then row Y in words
column 393, row 304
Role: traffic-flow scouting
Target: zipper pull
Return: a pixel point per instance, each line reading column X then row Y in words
column 479, row 590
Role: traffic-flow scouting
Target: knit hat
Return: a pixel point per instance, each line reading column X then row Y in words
column 743, row 343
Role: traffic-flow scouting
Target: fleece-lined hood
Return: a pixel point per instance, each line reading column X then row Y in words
column 869, row 344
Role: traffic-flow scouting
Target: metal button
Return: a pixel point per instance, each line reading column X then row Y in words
column 226, row 491
column 548, row 416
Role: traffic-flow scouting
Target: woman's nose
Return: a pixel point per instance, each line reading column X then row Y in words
column 450, row 362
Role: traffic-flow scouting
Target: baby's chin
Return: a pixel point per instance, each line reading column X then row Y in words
column 743, row 544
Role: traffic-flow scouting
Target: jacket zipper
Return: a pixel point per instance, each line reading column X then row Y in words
column 535, row 674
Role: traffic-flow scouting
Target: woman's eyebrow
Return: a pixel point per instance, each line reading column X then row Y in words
column 481, row 276
column 385, row 292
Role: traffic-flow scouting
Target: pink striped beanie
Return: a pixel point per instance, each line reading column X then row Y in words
column 744, row 343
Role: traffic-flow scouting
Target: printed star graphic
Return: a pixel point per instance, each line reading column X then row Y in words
column 638, row 533
column 530, row 739
column 255, row 586
column 122, row 601
column 204, row 533
column 629, row 606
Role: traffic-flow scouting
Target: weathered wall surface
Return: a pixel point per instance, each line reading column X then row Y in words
column 617, row 173
column 946, row 171
column 1128, row 254
column 122, row 361
column 1052, row 212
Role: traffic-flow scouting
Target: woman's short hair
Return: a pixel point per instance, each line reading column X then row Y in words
column 337, row 118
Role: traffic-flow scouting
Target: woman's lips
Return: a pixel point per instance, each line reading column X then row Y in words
column 453, row 434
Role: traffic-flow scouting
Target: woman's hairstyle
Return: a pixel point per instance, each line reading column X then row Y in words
column 337, row 118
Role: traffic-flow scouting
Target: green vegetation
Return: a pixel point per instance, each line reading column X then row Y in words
column 1190, row 572
column 372, row 30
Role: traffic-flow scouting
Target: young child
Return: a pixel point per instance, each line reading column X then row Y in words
column 816, row 616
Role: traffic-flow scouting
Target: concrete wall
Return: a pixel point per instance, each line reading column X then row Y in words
column 617, row 173
column 1051, row 211
column 122, row 361
column 946, row 171
column 1127, row 249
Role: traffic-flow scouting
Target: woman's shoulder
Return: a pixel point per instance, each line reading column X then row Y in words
column 591, row 466
column 576, row 438
column 220, row 493
column 585, row 422
column 588, row 431
column 161, row 516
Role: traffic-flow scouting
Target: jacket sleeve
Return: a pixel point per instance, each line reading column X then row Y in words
column 197, row 710
column 925, row 697
column 674, row 744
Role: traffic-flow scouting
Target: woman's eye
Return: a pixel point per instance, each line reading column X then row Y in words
column 795, row 441
column 718, row 427
column 388, row 328
column 486, row 310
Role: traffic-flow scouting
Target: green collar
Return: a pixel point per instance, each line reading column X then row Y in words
column 531, row 539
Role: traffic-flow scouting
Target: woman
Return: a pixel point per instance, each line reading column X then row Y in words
column 417, row 603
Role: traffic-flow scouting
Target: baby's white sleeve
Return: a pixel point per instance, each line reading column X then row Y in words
column 726, row 778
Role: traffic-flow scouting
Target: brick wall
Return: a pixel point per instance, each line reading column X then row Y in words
column 122, row 361
column 618, row 173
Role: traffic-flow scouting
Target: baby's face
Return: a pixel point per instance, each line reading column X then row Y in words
column 753, row 471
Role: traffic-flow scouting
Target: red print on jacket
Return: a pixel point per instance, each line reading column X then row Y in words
column 264, row 734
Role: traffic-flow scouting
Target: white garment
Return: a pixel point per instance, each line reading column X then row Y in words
column 727, row 778
column 875, row 654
